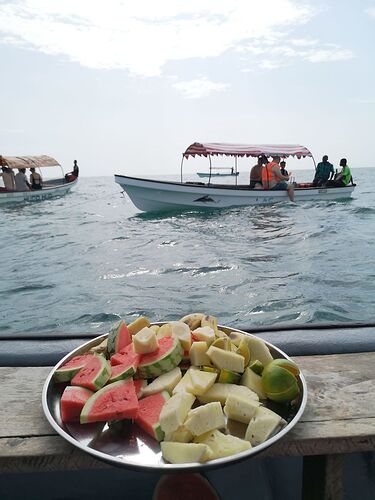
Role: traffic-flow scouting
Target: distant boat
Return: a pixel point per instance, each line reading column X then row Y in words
column 154, row 195
column 217, row 174
column 51, row 188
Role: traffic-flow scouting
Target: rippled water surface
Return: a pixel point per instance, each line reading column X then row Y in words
column 78, row 263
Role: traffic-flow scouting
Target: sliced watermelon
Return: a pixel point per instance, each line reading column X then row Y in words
column 184, row 487
column 120, row 372
column 113, row 402
column 118, row 337
column 67, row 371
column 127, row 358
column 149, row 414
column 72, row 401
column 139, row 385
column 94, row 375
column 167, row 357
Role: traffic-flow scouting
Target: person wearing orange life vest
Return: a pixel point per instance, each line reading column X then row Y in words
column 274, row 180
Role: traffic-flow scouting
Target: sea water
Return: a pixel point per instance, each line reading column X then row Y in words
column 78, row 263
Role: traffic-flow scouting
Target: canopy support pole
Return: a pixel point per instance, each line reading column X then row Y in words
column 182, row 161
column 209, row 179
column 235, row 168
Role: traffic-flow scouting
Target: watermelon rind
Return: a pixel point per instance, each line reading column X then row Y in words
column 128, row 371
column 169, row 360
column 99, row 379
column 115, row 340
column 65, row 374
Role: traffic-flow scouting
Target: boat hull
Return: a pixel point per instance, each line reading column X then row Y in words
column 47, row 193
column 151, row 195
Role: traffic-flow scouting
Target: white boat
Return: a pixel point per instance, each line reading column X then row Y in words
column 232, row 173
column 156, row 195
column 52, row 188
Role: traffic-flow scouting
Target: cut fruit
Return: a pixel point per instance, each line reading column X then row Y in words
column 183, row 453
column 120, row 372
column 254, row 382
column 127, row 357
column 145, row 341
column 257, row 367
column 210, row 321
column 228, row 377
column 193, row 320
column 148, row 417
column 288, row 364
column 181, row 386
column 240, row 408
column 226, row 359
column 258, row 350
column 198, row 354
column 244, row 350
column 165, row 358
column 262, row 425
column 220, row 392
column 180, row 435
column 222, row 445
column 72, row 401
column 181, row 331
column 115, row 401
column 166, row 382
column 137, row 325
column 94, row 375
column 67, row 371
column 200, row 382
column 175, row 411
column 222, row 343
column 139, row 386
column 164, row 331
column 205, row 333
column 118, row 338
column 205, row 418
column 279, row 383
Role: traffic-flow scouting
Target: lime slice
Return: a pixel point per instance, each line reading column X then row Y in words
column 229, row 377
column 279, row 384
column 222, row 343
column 257, row 367
column 244, row 350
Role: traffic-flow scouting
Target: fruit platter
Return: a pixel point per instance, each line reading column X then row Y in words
column 182, row 395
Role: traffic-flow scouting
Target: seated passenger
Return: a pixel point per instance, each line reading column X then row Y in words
column 8, row 179
column 35, row 179
column 22, row 183
column 324, row 172
column 274, row 180
column 343, row 178
column 282, row 168
column 256, row 172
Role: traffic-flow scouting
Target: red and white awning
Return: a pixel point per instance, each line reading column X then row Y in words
column 28, row 161
column 215, row 148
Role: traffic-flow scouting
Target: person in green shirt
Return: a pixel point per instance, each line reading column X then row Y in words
column 344, row 177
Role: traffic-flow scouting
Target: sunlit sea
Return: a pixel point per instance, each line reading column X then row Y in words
column 78, row 263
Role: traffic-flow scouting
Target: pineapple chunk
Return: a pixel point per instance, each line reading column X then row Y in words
column 165, row 382
column 226, row 359
column 180, row 435
column 254, row 382
column 181, row 386
column 198, row 354
column 258, row 350
column 222, row 445
column 155, row 328
column 210, row 321
column 175, row 411
column 145, row 341
column 181, row 331
column 205, row 333
column 240, row 408
column 220, row 392
column 205, row 418
column 262, row 425
column 184, row 453
column 137, row 325
column 200, row 382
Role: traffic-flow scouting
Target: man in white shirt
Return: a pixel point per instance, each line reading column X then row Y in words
column 22, row 183
column 8, row 179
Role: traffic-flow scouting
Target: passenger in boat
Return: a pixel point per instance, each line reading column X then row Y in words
column 324, row 172
column 8, row 179
column 283, row 170
column 75, row 169
column 344, row 177
column 256, row 172
column 274, row 180
column 22, row 184
column 72, row 176
column 35, row 179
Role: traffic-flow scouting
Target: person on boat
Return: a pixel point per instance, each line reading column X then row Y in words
column 256, row 172
column 72, row 176
column 35, row 179
column 283, row 170
column 323, row 173
column 274, row 180
column 22, row 184
column 75, row 169
column 344, row 177
column 8, row 179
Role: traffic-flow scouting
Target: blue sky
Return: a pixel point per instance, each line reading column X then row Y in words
column 126, row 86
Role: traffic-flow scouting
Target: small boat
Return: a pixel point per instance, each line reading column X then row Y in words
column 51, row 188
column 155, row 195
column 217, row 174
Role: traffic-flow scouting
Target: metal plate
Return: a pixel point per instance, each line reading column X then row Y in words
column 134, row 449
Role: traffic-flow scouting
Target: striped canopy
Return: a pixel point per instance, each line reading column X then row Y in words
column 215, row 148
column 28, row 161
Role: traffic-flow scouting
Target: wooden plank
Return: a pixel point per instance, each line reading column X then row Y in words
column 339, row 418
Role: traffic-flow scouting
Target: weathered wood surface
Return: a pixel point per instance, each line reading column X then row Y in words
column 339, row 417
